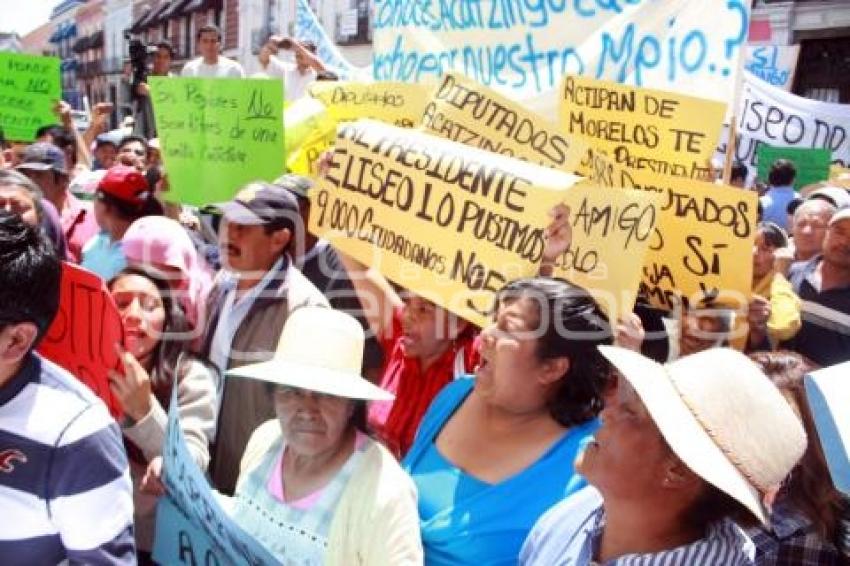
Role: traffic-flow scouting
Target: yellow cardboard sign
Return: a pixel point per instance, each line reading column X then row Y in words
column 701, row 249
column 455, row 223
column 465, row 111
column 643, row 129
column 396, row 103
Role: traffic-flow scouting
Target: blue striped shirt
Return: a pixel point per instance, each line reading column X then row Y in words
column 65, row 491
column 569, row 534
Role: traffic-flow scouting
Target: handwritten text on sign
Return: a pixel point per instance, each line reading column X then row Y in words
column 218, row 134
column 470, row 113
column 396, row 103
column 526, row 47
column 643, row 129
column 774, row 64
column 701, row 249
column 210, row 533
column 29, row 87
column 83, row 335
column 768, row 115
column 455, row 223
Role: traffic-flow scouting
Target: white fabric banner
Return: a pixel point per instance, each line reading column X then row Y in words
column 524, row 47
column 769, row 115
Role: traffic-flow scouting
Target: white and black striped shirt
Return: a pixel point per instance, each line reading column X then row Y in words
column 569, row 532
column 65, row 490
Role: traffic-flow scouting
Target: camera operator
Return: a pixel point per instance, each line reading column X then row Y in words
column 211, row 63
column 162, row 57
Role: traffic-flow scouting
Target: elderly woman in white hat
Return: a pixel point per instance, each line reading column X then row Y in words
column 684, row 449
column 313, row 487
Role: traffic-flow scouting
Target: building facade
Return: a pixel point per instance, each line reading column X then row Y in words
column 822, row 30
column 89, row 49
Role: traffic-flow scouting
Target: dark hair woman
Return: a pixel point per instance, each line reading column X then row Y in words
column 156, row 338
column 494, row 452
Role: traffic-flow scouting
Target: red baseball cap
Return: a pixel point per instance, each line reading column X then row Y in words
column 126, row 184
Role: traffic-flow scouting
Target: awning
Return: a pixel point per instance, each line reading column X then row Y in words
column 174, row 9
column 96, row 40
column 196, row 5
column 156, row 16
column 81, row 44
column 139, row 24
column 70, row 31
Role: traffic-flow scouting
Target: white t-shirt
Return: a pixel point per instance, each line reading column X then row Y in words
column 275, row 69
column 294, row 83
column 224, row 69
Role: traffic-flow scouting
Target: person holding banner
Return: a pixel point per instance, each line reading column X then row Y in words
column 65, row 489
column 155, row 357
column 674, row 463
column 425, row 347
column 314, row 488
column 494, row 453
column 773, row 314
column 806, row 510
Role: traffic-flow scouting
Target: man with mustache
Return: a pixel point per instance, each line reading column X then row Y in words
column 248, row 306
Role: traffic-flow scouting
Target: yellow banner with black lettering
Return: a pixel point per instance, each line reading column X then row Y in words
column 455, row 223
column 643, row 129
column 466, row 111
column 701, row 249
column 396, row 103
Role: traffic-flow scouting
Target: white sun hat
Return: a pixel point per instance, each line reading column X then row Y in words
column 722, row 417
column 320, row 349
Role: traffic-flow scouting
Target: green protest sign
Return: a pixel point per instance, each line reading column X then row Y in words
column 218, row 134
column 812, row 164
column 29, row 87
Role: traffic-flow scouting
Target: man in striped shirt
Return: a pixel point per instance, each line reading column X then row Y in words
column 65, row 492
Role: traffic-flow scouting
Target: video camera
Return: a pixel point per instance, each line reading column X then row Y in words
column 139, row 53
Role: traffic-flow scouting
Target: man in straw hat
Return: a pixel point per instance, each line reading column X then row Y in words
column 683, row 448
column 313, row 487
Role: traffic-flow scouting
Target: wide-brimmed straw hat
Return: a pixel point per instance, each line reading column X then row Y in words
column 320, row 349
column 722, row 417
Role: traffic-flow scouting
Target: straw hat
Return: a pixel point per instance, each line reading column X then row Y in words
column 721, row 416
column 320, row 349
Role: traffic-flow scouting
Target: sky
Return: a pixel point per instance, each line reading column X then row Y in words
column 26, row 16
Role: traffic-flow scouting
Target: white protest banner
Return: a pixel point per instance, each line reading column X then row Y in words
column 827, row 391
column 192, row 522
column 307, row 27
column 523, row 48
column 454, row 223
column 769, row 115
column 774, row 64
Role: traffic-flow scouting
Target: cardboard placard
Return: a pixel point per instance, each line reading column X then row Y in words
column 464, row 111
column 190, row 519
column 812, row 165
column 83, row 335
column 218, row 134
column 643, row 129
column 455, row 223
column 29, row 88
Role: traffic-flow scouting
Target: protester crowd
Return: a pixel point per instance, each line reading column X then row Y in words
column 352, row 421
